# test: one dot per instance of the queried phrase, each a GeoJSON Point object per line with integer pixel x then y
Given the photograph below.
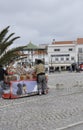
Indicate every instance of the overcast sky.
{"type": "Point", "coordinates": [41, 21]}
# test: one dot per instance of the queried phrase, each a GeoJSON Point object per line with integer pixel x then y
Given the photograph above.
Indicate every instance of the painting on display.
{"type": "Point", "coordinates": [20, 88]}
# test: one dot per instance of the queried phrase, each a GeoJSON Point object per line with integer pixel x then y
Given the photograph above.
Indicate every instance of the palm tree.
{"type": "Point", "coordinates": [5, 41]}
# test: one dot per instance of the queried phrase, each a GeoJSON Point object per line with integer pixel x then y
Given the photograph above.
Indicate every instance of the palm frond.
{"type": "Point", "coordinates": [3, 34]}
{"type": "Point", "coordinates": [6, 39]}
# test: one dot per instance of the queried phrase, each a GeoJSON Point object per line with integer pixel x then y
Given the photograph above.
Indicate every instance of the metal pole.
{"type": "Point", "coordinates": [51, 61]}
{"type": "Point", "coordinates": [78, 59]}
{"type": "Point", "coordinates": [32, 56]}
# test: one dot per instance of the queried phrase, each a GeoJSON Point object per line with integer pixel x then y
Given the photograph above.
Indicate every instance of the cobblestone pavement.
{"type": "Point", "coordinates": [76, 127]}
{"type": "Point", "coordinates": [62, 106]}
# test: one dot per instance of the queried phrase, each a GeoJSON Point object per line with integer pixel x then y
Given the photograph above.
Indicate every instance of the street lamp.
{"type": "Point", "coordinates": [32, 56]}
{"type": "Point", "coordinates": [78, 59]}
{"type": "Point", "coordinates": [51, 60]}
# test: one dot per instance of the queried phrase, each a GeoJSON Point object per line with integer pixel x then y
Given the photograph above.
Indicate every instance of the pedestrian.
{"type": "Point", "coordinates": [41, 78]}
{"type": "Point", "coordinates": [2, 77]}
{"type": "Point", "coordinates": [24, 67]}
{"type": "Point", "coordinates": [30, 69]}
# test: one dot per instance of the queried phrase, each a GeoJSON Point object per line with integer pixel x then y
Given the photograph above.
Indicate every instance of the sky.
{"type": "Point", "coordinates": [41, 21]}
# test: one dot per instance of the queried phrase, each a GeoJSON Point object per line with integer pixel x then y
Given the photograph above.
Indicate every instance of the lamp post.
{"type": "Point", "coordinates": [51, 60]}
{"type": "Point", "coordinates": [32, 56]}
{"type": "Point", "coordinates": [78, 59]}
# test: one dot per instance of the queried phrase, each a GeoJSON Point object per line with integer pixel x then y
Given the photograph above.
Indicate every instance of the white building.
{"type": "Point", "coordinates": [32, 54]}
{"type": "Point", "coordinates": [59, 54]}
{"type": "Point", "coordinates": [62, 54]}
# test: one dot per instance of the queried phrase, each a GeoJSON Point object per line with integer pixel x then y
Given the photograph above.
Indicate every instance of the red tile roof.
{"type": "Point", "coordinates": [80, 40]}
{"type": "Point", "coordinates": [40, 52]}
{"type": "Point", "coordinates": [63, 42]}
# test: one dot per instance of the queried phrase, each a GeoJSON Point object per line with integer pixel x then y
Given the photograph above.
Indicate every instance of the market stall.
{"type": "Point", "coordinates": [20, 83]}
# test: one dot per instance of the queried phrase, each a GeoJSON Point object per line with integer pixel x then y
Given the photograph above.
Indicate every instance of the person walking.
{"type": "Point", "coordinates": [41, 78]}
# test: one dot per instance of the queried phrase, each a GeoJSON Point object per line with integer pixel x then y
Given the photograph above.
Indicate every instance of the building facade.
{"type": "Point", "coordinates": [62, 54]}
{"type": "Point", "coordinates": [59, 54]}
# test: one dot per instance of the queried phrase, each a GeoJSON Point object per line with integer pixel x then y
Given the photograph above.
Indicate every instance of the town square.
{"type": "Point", "coordinates": [41, 65]}
{"type": "Point", "coordinates": [60, 108]}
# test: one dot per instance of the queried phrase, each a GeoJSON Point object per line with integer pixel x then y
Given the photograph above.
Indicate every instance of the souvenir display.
{"type": "Point", "coordinates": [21, 82]}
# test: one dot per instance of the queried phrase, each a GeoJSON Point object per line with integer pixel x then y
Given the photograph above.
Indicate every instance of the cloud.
{"type": "Point", "coordinates": [40, 21]}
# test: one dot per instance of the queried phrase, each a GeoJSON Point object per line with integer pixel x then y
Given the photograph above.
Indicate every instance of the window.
{"type": "Point", "coordinates": [72, 58]}
{"type": "Point", "coordinates": [70, 49]}
{"type": "Point", "coordinates": [56, 59]}
{"type": "Point", "coordinates": [80, 50]}
{"type": "Point", "coordinates": [67, 58]}
{"type": "Point", "coordinates": [56, 49]}
{"type": "Point", "coordinates": [62, 59]}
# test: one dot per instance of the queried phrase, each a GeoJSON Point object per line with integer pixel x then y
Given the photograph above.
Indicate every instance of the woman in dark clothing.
{"type": "Point", "coordinates": [2, 74]}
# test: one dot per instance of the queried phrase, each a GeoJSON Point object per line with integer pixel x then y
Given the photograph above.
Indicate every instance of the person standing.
{"type": "Point", "coordinates": [2, 74]}
{"type": "Point", "coordinates": [41, 78]}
